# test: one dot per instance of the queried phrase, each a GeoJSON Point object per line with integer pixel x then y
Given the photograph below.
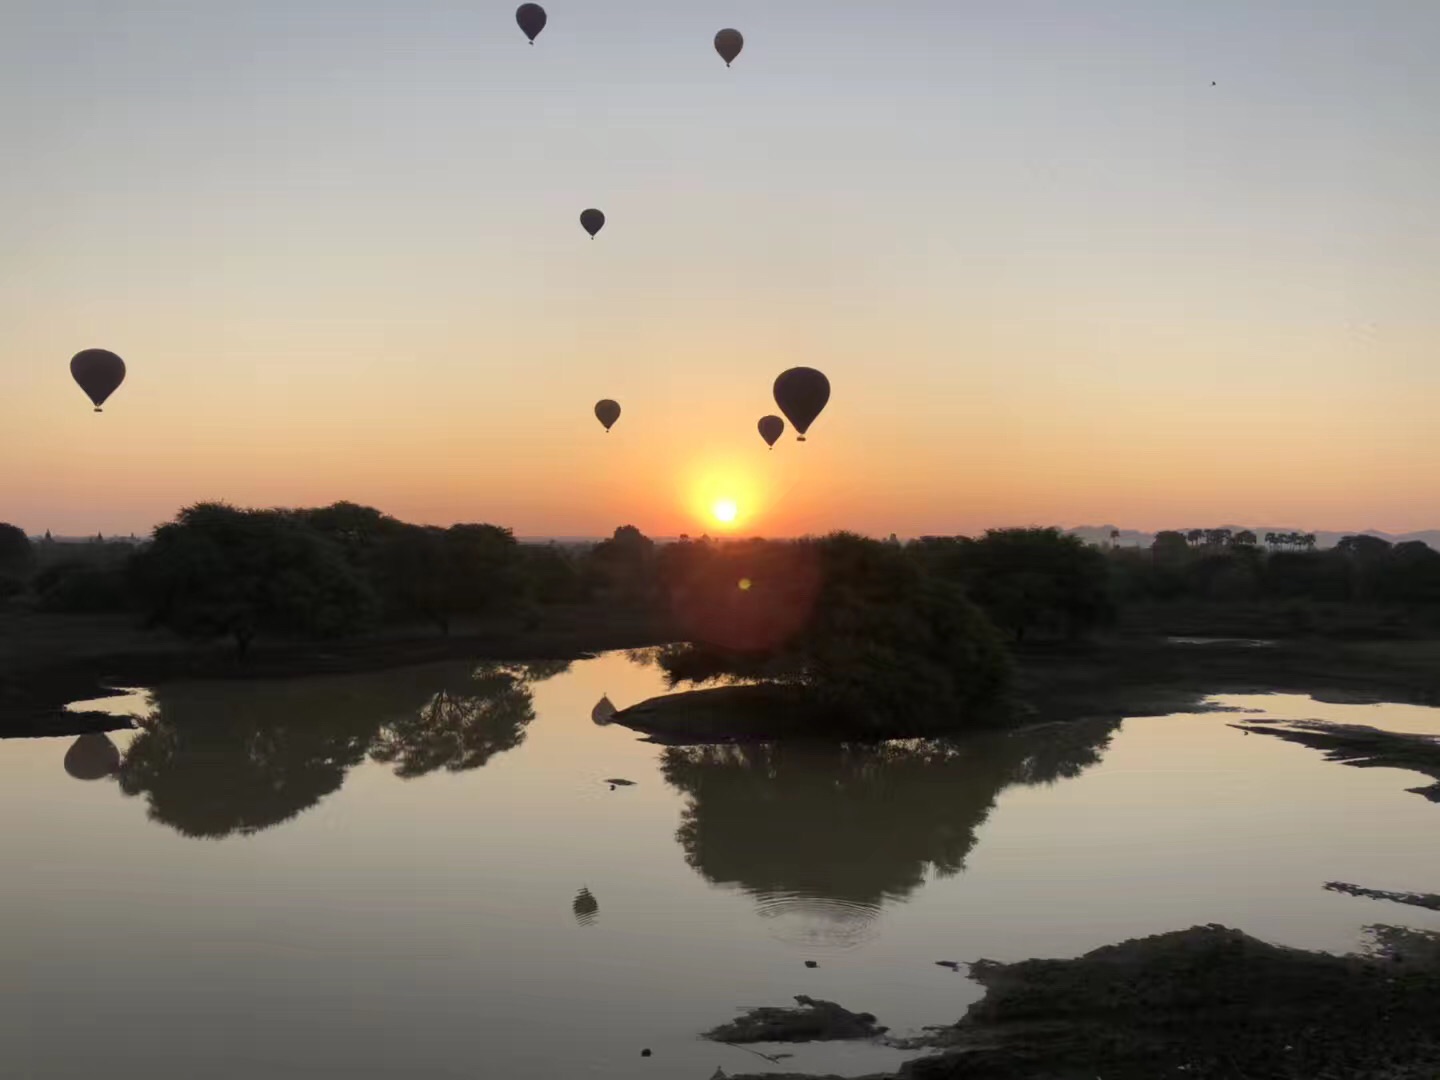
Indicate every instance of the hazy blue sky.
{"type": "Point", "coordinates": [1053, 273]}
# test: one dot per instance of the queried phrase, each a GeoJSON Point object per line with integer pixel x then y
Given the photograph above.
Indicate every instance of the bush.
{"type": "Point", "coordinates": [83, 588]}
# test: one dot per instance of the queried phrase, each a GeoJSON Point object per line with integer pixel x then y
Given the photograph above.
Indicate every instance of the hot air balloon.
{"type": "Point", "coordinates": [99, 374]}
{"type": "Point", "coordinates": [92, 757]}
{"type": "Point", "coordinates": [586, 908]}
{"type": "Point", "coordinates": [592, 221]}
{"type": "Point", "coordinates": [532, 19]}
{"type": "Point", "coordinates": [728, 44]}
{"type": "Point", "coordinates": [771, 428]}
{"type": "Point", "coordinates": [607, 412]}
{"type": "Point", "coordinates": [801, 394]}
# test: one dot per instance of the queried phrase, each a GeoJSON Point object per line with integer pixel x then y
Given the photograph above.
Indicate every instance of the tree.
{"type": "Point", "coordinates": [216, 571]}
{"type": "Point", "coordinates": [623, 565]}
{"type": "Point", "coordinates": [1245, 538]}
{"type": "Point", "coordinates": [440, 574]}
{"type": "Point", "coordinates": [1038, 579]}
{"type": "Point", "coordinates": [1170, 546]}
{"type": "Point", "coordinates": [868, 635]}
{"type": "Point", "coordinates": [1363, 547]}
{"type": "Point", "coordinates": [1196, 537]}
{"type": "Point", "coordinates": [16, 555]}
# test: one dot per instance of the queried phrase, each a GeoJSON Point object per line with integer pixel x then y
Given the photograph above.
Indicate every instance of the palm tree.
{"type": "Point", "coordinates": [1308, 541]}
{"type": "Point", "coordinates": [1195, 537]}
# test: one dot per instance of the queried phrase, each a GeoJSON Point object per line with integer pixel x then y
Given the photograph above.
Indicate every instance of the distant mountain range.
{"type": "Point", "coordinates": [1100, 534]}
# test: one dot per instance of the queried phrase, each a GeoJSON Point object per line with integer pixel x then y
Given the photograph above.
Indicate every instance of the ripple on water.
{"type": "Point", "coordinates": [818, 921]}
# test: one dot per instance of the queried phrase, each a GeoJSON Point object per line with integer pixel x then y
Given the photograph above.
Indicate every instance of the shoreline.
{"type": "Point", "coordinates": [51, 661]}
{"type": "Point", "coordinates": [105, 654]}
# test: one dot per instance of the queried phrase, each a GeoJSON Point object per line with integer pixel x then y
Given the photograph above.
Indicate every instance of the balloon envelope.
{"type": "Point", "coordinates": [771, 428]}
{"type": "Point", "coordinates": [728, 44]}
{"type": "Point", "coordinates": [592, 221]}
{"type": "Point", "coordinates": [607, 412]}
{"type": "Point", "coordinates": [92, 757]}
{"type": "Point", "coordinates": [586, 907]}
{"type": "Point", "coordinates": [99, 373]}
{"type": "Point", "coordinates": [531, 18]}
{"type": "Point", "coordinates": [802, 394]}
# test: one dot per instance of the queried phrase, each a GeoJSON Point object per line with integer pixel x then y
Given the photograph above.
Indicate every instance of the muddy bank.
{"type": "Point", "coordinates": [1111, 679]}
{"type": "Point", "coordinates": [812, 1020]}
{"type": "Point", "coordinates": [47, 661]}
{"type": "Point", "coordinates": [1429, 901]}
{"type": "Point", "coordinates": [724, 714]}
{"type": "Point", "coordinates": [1209, 1003]}
{"type": "Point", "coordinates": [1363, 747]}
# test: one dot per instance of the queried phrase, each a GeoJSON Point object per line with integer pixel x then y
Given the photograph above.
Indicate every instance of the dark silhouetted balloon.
{"type": "Point", "coordinates": [531, 18]}
{"type": "Point", "coordinates": [728, 44]}
{"type": "Point", "coordinates": [592, 221]}
{"type": "Point", "coordinates": [92, 757]}
{"type": "Point", "coordinates": [99, 374]}
{"type": "Point", "coordinates": [586, 908]}
{"type": "Point", "coordinates": [607, 412]}
{"type": "Point", "coordinates": [802, 393]}
{"type": "Point", "coordinates": [771, 428]}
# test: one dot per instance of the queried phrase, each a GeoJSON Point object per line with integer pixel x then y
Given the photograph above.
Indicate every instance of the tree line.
{"type": "Point", "coordinates": [896, 636]}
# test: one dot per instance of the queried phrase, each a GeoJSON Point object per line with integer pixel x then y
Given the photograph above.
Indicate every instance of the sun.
{"type": "Point", "coordinates": [725, 511]}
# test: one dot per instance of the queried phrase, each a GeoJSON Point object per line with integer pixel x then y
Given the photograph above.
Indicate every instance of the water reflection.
{"type": "Point", "coordinates": [603, 712]}
{"type": "Point", "coordinates": [823, 835]}
{"type": "Point", "coordinates": [221, 759]}
{"type": "Point", "coordinates": [458, 731]}
{"type": "Point", "coordinates": [92, 757]}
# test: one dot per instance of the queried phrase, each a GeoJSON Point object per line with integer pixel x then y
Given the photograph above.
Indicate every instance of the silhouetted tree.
{"type": "Point", "coordinates": [16, 555]}
{"type": "Point", "coordinates": [1245, 538]}
{"type": "Point", "coordinates": [624, 565]}
{"type": "Point", "coordinates": [884, 646]}
{"type": "Point", "coordinates": [1038, 579]}
{"type": "Point", "coordinates": [221, 572]}
{"type": "Point", "coordinates": [1170, 546]}
{"type": "Point", "coordinates": [439, 574]}
{"type": "Point", "coordinates": [1196, 537]}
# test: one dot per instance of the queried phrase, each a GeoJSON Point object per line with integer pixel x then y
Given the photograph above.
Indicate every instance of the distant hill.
{"type": "Point", "coordinates": [1100, 534]}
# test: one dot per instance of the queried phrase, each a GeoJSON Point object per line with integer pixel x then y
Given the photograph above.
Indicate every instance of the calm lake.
{"type": "Point", "coordinates": [427, 873]}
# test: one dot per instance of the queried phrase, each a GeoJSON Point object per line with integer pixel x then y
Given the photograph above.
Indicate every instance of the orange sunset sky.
{"type": "Point", "coordinates": [1053, 274]}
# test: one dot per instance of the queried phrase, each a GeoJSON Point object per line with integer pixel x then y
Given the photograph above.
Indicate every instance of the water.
{"type": "Point", "coordinates": [425, 873]}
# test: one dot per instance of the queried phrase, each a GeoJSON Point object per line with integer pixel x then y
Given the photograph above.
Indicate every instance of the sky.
{"type": "Point", "coordinates": [1053, 273]}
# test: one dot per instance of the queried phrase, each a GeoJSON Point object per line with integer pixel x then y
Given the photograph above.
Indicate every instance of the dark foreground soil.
{"type": "Point", "coordinates": [1209, 1003]}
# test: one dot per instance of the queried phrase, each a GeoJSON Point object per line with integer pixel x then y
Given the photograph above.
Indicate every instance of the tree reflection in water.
{"type": "Point", "coordinates": [223, 759]}
{"type": "Point", "coordinates": [823, 835]}
{"type": "Point", "coordinates": [459, 731]}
